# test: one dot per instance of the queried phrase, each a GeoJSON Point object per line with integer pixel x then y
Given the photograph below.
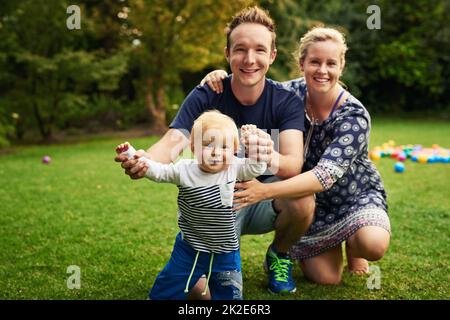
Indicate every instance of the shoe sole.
{"type": "Point", "coordinates": [282, 292]}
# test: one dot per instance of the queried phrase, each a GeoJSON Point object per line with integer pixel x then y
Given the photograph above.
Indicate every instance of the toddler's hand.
{"type": "Point", "coordinates": [132, 161]}
{"type": "Point", "coordinates": [126, 149]}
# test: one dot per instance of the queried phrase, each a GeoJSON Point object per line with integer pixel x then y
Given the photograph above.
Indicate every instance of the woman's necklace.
{"type": "Point", "coordinates": [311, 113]}
{"type": "Point", "coordinates": [315, 120]}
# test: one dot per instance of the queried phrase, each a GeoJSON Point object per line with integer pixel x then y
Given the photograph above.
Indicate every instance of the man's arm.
{"type": "Point", "coordinates": [169, 147]}
{"type": "Point", "coordinates": [166, 150]}
{"type": "Point", "coordinates": [288, 162]}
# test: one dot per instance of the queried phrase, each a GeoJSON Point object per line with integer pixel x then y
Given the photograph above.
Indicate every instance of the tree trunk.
{"type": "Point", "coordinates": [45, 130]}
{"type": "Point", "coordinates": [156, 108]}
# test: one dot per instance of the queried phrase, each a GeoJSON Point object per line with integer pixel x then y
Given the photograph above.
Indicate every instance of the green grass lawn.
{"type": "Point", "coordinates": [82, 210]}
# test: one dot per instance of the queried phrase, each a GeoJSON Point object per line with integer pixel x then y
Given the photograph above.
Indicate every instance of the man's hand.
{"type": "Point", "coordinates": [133, 167]}
{"type": "Point", "coordinates": [258, 144]}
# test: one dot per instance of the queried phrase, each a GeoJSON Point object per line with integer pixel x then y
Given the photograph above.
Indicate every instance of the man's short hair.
{"type": "Point", "coordinates": [252, 15]}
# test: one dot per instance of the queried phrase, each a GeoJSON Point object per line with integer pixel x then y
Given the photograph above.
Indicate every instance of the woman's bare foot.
{"type": "Point", "coordinates": [359, 266]}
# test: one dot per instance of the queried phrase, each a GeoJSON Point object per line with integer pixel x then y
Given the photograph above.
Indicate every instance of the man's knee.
{"type": "Point", "coordinates": [305, 205]}
{"type": "Point", "coordinates": [298, 209]}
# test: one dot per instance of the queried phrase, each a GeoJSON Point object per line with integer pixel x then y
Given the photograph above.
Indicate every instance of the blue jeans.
{"type": "Point", "coordinates": [225, 280]}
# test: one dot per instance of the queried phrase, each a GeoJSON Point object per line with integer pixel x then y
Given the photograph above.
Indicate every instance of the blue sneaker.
{"type": "Point", "coordinates": [280, 273]}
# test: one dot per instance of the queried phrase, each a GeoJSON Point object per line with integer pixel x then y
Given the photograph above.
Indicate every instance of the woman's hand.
{"type": "Point", "coordinates": [253, 192]}
{"type": "Point", "coordinates": [214, 80]}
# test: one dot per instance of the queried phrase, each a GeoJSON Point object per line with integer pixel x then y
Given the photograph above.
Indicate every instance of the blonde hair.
{"type": "Point", "coordinates": [252, 15]}
{"type": "Point", "coordinates": [215, 119]}
{"type": "Point", "coordinates": [318, 34]}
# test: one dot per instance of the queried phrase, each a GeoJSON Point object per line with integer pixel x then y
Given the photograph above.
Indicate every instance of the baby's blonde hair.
{"type": "Point", "coordinates": [214, 119]}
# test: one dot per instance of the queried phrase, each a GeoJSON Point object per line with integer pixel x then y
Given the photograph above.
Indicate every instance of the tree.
{"type": "Point", "coordinates": [403, 66]}
{"type": "Point", "coordinates": [50, 71]}
{"type": "Point", "coordinates": [175, 36]}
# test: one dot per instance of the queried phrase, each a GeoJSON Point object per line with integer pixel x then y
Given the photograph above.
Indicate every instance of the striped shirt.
{"type": "Point", "coordinates": [205, 200]}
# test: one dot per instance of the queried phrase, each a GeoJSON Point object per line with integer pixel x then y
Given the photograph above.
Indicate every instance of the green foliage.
{"type": "Point", "coordinates": [179, 35]}
{"type": "Point", "coordinates": [6, 129]}
{"type": "Point", "coordinates": [171, 37]}
{"type": "Point", "coordinates": [49, 79]}
{"type": "Point", "coordinates": [132, 54]}
{"type": "Point", "coordinates": [401, 67]}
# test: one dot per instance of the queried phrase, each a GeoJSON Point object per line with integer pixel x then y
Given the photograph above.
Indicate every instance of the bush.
{"type": "Point", "coordinates": [6, 130]}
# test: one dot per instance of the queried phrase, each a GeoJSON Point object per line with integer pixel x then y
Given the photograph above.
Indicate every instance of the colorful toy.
{"type": "Point", "coordinates": [399, 167]}
{"type": "Point", "coordinates": [422, 158]}
{"type": "Point", "coordinates": [375, 155]}
{"type": "Point", "coordinates": [417, 153]}
{"type": "Point", "coordinates": [46, 160]}
{"type": "Point", "coordinates": [401, 156]}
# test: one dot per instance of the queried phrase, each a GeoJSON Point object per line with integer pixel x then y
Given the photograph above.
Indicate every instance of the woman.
{"type": "Point", "coordinates": [347, 189]}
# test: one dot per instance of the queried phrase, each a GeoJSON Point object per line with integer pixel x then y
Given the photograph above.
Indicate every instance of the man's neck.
{"type": "Point", "coordinates": [247, 96]}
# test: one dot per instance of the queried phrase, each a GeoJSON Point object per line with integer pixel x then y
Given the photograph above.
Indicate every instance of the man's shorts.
{"type": "Point", "coordinates": [225, 282]}
{"type": "Point", "coordinates": [258, 218]}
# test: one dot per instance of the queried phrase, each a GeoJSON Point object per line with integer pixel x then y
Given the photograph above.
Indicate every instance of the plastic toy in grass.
{"type": "Point", "coordinates": [417, 153]}
{"type": "Point", "coordinates": [399, 167]}
{"type": "Point", "coordinates": [46, 160]}
{"type": "Point", "coordinates": [401, 156]}
{"type": "Point", "coordinates": [422, 158]}
{"type": "Point", "coordinates": [375, 155]}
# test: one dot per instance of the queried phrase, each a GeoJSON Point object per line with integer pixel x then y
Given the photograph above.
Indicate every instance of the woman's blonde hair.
{"type": "Point", "coordinates": [214, 119]}
{"type": "Point", "coordinates": [317, 34]}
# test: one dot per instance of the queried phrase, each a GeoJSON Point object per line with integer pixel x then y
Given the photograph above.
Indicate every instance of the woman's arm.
{"type": "Point", "coordinates": [214, 80]}
{"type": "Point", "coordinates": [296, 187]}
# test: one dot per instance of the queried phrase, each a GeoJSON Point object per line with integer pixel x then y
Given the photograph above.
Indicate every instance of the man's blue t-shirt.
{"type": "Point", "coordinates": [278, 108]}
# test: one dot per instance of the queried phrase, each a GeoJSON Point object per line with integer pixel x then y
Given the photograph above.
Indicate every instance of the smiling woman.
{"type": "Point", "coordinates": [321, 56]}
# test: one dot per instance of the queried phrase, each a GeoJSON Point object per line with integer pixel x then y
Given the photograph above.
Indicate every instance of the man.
{"type": "Point", "coordinates": [250, 98]}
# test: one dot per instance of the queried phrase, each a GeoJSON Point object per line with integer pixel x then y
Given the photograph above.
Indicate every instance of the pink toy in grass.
{"type": "Point", "coordinates": [401, 156]}
{"type": "Point", "coordinates": [46, 160]}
